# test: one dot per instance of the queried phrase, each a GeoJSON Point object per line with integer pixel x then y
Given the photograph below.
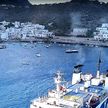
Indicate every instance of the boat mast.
{"type": "Point", "coordinates": [58, 80]}
{"type": "Point", "coordinates": [98, 66]}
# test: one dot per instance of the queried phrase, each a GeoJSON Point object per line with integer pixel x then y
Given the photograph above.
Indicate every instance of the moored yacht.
{"type": "Point", "coordinates": [71, 51]}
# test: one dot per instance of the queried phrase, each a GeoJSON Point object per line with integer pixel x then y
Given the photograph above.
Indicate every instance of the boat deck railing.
{"type": "Point", "coordinates": [103, 104]}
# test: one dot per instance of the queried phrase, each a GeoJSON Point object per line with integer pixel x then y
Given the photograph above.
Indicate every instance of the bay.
{"type": "Point", "coordinates": [25, 76]}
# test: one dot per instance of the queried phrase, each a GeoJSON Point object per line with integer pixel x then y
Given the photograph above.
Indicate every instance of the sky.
{"type": "Point", "coordinates": [54, 1]}
{"type": "Point", "coordinates": [47, 1]}
{"type": "Point", "coordinates": [105, 1]}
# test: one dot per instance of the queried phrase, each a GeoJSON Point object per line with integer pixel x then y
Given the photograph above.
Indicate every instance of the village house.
{"type": "Point", "coordinates": [101, 32]}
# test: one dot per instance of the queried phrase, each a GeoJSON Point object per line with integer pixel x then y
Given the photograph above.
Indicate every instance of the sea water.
{"type": "Point", "coordinates": [25, 76]}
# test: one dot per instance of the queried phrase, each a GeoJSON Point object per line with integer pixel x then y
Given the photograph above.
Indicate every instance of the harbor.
{"type": "Point", "coordinates": [53, 54]}
{"type": "Point", "coordinates": [32, 32]}
{"type": "Point", "coordinates": [25, 76]}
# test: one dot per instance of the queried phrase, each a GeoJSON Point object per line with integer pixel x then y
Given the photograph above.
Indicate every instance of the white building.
{"type": "Point", "coordinates": [4, 23]}
{"type": "Point", "coordinates": [4, 35]}
{"type": "Point", "coordinates": [17, 24]}
{"type": "Point", "coordinates": [23, 30]}
{"type": "Point", "coordinates": [105, 25]}
{"type": "Point", "coordinates": [101, 32]}
{"type": "Point", "coordinates": [79, 31]}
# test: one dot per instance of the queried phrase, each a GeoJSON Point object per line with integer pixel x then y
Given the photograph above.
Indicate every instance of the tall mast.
{"type": "Point", "coordinates": [98, 66]}
{"type": "Point", "coordinates": [58, 80]}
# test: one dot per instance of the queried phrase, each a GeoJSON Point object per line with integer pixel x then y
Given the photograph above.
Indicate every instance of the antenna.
{"type": "Point", "coordinates": [98, 66]}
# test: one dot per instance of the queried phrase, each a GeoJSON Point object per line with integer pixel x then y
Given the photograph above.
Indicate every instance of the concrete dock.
{"type": "Point", "coordinates": [67, 40]}
{"type": "Point", "coordinates": [80, 40]}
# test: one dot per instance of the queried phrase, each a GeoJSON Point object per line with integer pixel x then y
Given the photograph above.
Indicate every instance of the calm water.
{"type": "Point", "coordinates": [24, 76]}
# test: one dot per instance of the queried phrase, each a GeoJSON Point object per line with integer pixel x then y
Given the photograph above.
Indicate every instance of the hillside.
{"type": "Point", "coordinates": [15, 2]}
{"type": "Point", "coordinates": [60, 18]}
{"type": "Point", "coordinates": [26, 2]}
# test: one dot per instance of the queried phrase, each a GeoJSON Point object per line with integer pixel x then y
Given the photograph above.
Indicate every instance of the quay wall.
{"type": "Point", "coordinates": [80, 40]}
{"type": "Point", "coordinates": [66, 40]}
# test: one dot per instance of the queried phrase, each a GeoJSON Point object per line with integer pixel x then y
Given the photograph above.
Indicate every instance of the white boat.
{"type": "Point", "coordinates": [2, 46]}
{"type": "Point", "coordinates": [38, 55]}
{"type": "Point", "coordinates": [71, 51]}
{"type": "Point", "coordinates": [25, 63]}
{"type": "Point", "coordinates": [90, 92]}
{"type": "Point", "coordinates": [47, 46]}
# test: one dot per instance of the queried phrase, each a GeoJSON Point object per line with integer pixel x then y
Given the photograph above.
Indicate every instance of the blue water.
{"type": "Point", "coordinates": [20, 82]}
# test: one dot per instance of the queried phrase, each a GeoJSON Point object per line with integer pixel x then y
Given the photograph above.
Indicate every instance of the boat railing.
{"type": "Point", "coordinates": [103, 104]}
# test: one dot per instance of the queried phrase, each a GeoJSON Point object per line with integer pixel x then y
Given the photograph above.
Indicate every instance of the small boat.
{"type": "Point", "coordinates": [2, 46]}
{"type": "Point", "coordinates": [47, 46]}
{"type": "Point", "coordinates": [71, 51]}
{"type": "Point", "coordinates": [38, 55]}
{"type": "Point", "coordinates": [25, 63]}
{"type": "Point", "coordinates": [64, 45]}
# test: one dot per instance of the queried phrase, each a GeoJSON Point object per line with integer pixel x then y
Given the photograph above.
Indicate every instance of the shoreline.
{"type": "Point", "coordinates": [81, 41]}
{"type": "Point", "coordinates": [65, 40]}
